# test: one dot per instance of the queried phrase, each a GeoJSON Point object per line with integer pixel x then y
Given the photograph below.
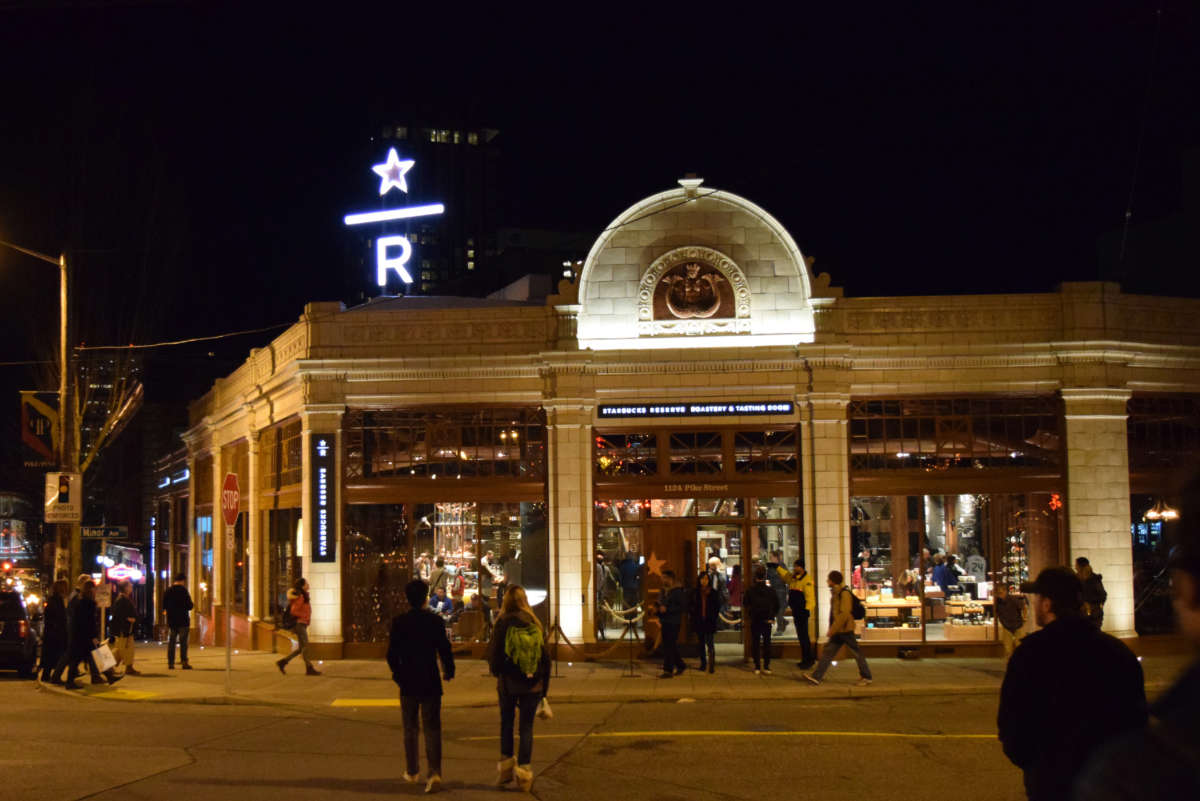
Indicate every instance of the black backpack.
{"type": "Point", "coordinates": [857, 610]}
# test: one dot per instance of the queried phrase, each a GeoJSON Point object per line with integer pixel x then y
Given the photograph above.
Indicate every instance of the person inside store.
{"type": "Point", "coordinates": [945, 576]}
{"type": "Point", "coordinates": [858, 579]}
{"type": "Point", "coordinates": [440, 603]}
{"type": "Point", "coordinates": [1067, 690]}
{"type": "Point", "coordinates": [630, 572]}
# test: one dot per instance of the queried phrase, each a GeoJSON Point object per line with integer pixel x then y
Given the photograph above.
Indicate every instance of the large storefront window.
{"type": "Point", "coordinates": [954, 433]}
{"type": "Point", "coordinates": [1164, 447]}
{"type": "Point", "coordinates": [204, 537]}
{"type": "Point", "coordinates": [478, 547]}
{"type": "Point", "coordinates": [927, 566]}
{"type": "Point", "coordinates": [283, 563]}
{"type": "Point", "coordinates": [454, 497]}
{"type": "Point", "coordinates": [476, 443]}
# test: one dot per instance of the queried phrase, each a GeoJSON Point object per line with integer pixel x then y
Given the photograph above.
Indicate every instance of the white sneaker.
{"type": "Point", "coordinates": [412, 778]}
{"type": "Point", "coordinates": [767, 671]}
{"type": "Point", "coordinates": [434, 784]}
{"type": "Point", "coordinates": [863, 682]}
{"type": "Point", "coordinates": [757, 671]}
{"type": "Point", "coordinates": [811, 679]}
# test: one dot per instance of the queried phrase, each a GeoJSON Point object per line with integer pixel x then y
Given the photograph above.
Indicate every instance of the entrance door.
{"type": "Point", "coordinates": [670, 545]}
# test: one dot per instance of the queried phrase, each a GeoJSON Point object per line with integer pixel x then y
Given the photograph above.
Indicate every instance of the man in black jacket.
{"type": "Point", "coordinates": [1068, 688]}
{"type": "Point", "coordinates": [417, 640]}
{"type": "Point", "coordinates": [177, 604]}
{"type": "Point", "coordinates": [760, 605]}
{"type": "Point", "coordinates": [670, 618]}
{"type": "Point", "coordinates": [1162, 762]}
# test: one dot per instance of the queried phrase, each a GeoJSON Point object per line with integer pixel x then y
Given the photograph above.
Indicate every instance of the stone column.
{"type": "Point", "coordinates": [324, 578]}
{"type": "Point", "coordinates": [830, 496]}
{"type": "Point", "coordinates": [571, 537]}
{"type": "Point", "coordinates": [189, 534]}
{"type": "Point", "coordinates": [254, 547]}
{"type": "Point", "coordinates": [1098, 495]}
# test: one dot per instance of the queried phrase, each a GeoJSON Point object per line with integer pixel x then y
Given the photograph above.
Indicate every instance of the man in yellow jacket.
{"type": "Point", "coordinates": [841, 632]}
{"type": "Point", "coordinates": [802, 600]}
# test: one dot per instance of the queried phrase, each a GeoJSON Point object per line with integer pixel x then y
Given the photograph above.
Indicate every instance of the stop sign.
{"type": "Point", "coordinates": [231, 499]}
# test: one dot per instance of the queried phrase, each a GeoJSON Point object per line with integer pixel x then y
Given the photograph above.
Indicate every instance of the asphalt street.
{"type": "Point", "coordinates": [70, 747]}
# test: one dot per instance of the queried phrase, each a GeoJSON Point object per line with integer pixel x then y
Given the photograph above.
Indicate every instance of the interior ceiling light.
{"type": "Point", "coordinates": [1161, 511]}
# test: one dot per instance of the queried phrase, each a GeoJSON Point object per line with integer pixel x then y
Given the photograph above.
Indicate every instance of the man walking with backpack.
{"type": "Point", "coordinates": [844, 609]}
{"type": "Point", "coordinates": [418, 640]}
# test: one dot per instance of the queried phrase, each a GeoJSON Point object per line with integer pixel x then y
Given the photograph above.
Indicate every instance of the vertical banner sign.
{"type": "Point", "coordinates": [324, 494]}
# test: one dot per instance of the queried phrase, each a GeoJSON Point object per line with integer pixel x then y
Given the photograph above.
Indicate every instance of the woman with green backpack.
{"type": "Point", "coordinates": [519, 660]}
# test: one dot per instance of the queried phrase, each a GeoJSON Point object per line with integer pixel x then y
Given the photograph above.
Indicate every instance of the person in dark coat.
{"type": "Point", "coordinates": [84, 635]}
{"type": "Point", "coordinates": [177, 605]}
{"type": "Point", "coordinates": [1068, 689]}
{"type": "Point", "coordinates": [520, 661]}
{"type": "Point", "coordinates": [54, 630]}
{"type": "Point", "coordinates": [72, 601]}
{"type": "Point", "coordinates": [671, 603]}
{"type": "Point", "coordinates": [1162, 761]}
{"type": "Point", "coordinates": [417, 641]}
{"type": "Point", "coordinates": [760, 605]}
{"type": "Point", "coordinates": [706, 607]}
{"type": "Point", "coordinates": [1094, 594]}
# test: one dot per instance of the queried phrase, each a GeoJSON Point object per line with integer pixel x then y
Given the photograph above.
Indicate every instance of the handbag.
{"type": "Point", "coordinates": [104, 658]}
{"type": "Point", "coordinates": [544, 711]}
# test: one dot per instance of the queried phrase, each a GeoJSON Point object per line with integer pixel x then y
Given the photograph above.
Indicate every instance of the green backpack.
{"type": "Point", "coordinates": [523, 646]}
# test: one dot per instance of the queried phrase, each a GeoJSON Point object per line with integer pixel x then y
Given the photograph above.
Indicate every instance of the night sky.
{"type": "Point", "coordinates": [196, 164]}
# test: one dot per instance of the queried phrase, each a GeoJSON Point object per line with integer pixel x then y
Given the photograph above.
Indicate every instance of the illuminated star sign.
{"type": "Point", "coordinates": [392, 172]}
{"type": "Point", "coordinates": [654, 565]}
{"type": "Point", "coordinates": [393, 252]}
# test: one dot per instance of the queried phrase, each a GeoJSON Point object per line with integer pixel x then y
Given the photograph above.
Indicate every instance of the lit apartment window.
{"type": "Point", "coordinates": [426, 275]}
{"type": "Point", "coordinates": [425, 265]}
{"type": "Point", "coordinates": [470, 254]}
{"type": "Point", "coordinates": [470, 265]}
{"type": "Point", "coordinates": [432, 135]}
{"type": "Point", "coordinates": [412, 238]}
{"type": "Point", "coordinates": [425, 286]}
{"type": "Point", "coordinates": [470, 242]}
{"type": "Point", "coordinates": [401, 132]}
{"type": "Point", "coordinates": [472, 138]}
{"type": "Point", "coordinates": [457, 138]}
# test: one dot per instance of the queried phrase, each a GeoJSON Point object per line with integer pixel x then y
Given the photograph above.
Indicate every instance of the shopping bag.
{"type": "Point", "coordinates": [104, 658]}
{"type": "Point", "coordinates": [544, 711]}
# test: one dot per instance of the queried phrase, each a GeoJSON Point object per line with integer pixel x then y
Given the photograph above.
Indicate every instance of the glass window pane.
{"type": "Point", "coordinates": [696, 453]}
{"type": "Point", "coordinates": [626, 455]}
{"type": "Point", "coordinates": [618, 510]}
{"type": "Point", "coordinates": [376, 565]}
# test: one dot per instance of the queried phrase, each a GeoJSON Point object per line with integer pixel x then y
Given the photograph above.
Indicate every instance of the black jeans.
{"type": "Point", "coordinates": [73, 660]}
{"type": "Point", "coordinates": [528, 704]}
{"type": "Point", "coordinates": [179, 633]}
{"type": "Point", "coordinates": [708, 653]}
{"type": "Point", "coordinates": [800, 620]}
{"type": "Point", "coordinates": [670, 648]}
{"type": "Point", "coordinates": [422, 711]}
{"type": "Point", "coordinates": [760, 642]}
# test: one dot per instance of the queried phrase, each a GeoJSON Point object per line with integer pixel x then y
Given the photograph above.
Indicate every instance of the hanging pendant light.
{"type": "Point", "coordinates": [1161, 511]}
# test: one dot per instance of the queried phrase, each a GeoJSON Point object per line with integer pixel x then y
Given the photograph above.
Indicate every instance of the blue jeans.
{"type": "Point", "coordinates": [528, 704]}
{"type": "Point", "coordinates": [835, 643]}
{"type": "Point", "coordinates": [179, 633]}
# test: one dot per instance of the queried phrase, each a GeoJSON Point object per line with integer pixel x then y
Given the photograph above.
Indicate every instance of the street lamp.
{"type": "Point", "coordinates": [67, 457]}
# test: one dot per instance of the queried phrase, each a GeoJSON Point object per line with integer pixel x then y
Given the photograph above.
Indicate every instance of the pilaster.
{"type": "Point", "coordinates": [324, 578]}
{"type": "Point", "coordinates": [571, 538]}
{"type": "Point", "coordinates": [254, 544]}
{"type": "Point", "coordinates": [1098, 494]}
{"type": "Point", "coordinates": [828, 490]}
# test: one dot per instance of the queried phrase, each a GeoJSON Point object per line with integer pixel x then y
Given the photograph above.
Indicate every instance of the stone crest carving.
{"type": "Point", "coordinates": [693, 291]}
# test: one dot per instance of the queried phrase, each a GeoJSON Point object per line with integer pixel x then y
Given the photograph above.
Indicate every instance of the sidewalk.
{"type": "Point", "coordinates": [360, 683]}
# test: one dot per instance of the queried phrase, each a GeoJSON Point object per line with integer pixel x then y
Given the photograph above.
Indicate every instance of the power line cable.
{"type": "Point", "coordinates": [1137, 153]}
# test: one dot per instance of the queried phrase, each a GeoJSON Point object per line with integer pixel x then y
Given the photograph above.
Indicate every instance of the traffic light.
{"type": "Point", "coordinates": [64, 489]}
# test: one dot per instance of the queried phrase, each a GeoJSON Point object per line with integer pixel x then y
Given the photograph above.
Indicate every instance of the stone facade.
{"type": "Point", "coordinates": [1089, 344]}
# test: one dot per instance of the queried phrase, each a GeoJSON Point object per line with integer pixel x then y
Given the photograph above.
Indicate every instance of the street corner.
{"type": "Point", "coordinates": [105, 692]}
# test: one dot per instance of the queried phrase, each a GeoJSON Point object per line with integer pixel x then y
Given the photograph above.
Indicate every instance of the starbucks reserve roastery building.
{"type": "Point", "coordinates": [696, 391]}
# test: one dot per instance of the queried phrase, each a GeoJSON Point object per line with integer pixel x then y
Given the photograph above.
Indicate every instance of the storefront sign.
{"type": "Point", "coordinates": [125, 572]}
{"type": "Point", "coordinates": [393, 252]}
{"type": "Point", "coordinates": [324, 495]}
{"type": "Point", "coordinates": [736, 409]}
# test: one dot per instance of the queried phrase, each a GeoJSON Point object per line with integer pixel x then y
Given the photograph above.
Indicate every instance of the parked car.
{"type": "Point", "coordinates": [18, 640]}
